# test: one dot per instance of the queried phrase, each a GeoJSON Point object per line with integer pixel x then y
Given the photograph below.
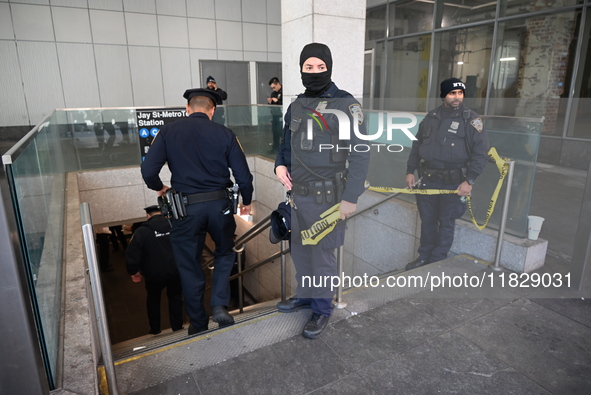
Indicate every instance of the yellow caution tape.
{"type": "Point", "coordinates": [414, 191]}
{"type": "Point", "coordinates": [330, 217]}
{"type": "Point", "coordinates": [321, 228]}
{"type": "Point", "coordinates": [503, 167]}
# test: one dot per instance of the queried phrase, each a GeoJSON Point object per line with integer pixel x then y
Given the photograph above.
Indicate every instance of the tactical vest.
{"type": "Point", "coordinates": [312, 130]}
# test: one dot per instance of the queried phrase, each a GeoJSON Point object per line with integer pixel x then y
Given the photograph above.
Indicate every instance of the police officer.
{"type": "Point", "coordinates": [450, 153]}
{"type": "Point", "coordinates": [212, 85]}
{"type": "Point", "coordinates": [276, 98]}
{"type": "Point", "coordinates": [150, 253]}
{"type": "Point", "coordinates": [310, 165]}
{"type": "Point", "coordinates": [200, 154]}
{"type": "Point", "coordinates": [219, 115]}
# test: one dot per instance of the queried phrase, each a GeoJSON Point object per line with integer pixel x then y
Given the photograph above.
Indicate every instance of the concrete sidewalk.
{"type": "Point", "coordinates": [481, 338]}
{"type": "Point", "coordinates": [476, 339]}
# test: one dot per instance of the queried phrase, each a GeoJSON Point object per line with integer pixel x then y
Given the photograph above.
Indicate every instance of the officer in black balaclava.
{"type": "Point", "coordinates": [316, 79]}
{"type": "Point", "coordinates": [313, 169]}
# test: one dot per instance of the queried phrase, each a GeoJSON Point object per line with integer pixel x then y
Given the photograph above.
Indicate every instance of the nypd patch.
{"type": "Point", "coordinates": [477, 124]}
{"type": "Point", "coordinates": [356, 112]}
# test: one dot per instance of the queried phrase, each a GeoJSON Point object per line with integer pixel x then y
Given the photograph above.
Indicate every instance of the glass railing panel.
{"type": "Point", "coordinates": [515, 138]}
{"type": "Point", "coordinates": [38, 185]}
{"type": "Point", "coordinates": [254, 126]}
{"type": "Point", "coordinates": [98, 138]}
{"type": "Point", "coordinates": [104, 138]}
{"type": "Point", "coordinates": [387, 166]}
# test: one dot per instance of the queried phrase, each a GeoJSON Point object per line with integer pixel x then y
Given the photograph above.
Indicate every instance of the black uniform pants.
{"type": "Point", "coordinates": [277, 129]}
{"type": "Point", "coordinates": [438, 219]}
{"type": "Point", "coordinates": [102, 240]}
{"type": "Point", "coordinates": [188, 238]}
{"type": "Point", "coordinates": [117, 236]}
{"type": "Point", "coordinates": [314, 264]}
{"type": "Point", "coordinates": [174, 293]}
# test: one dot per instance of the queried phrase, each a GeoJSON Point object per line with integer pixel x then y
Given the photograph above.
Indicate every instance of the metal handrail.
{"type": "Point", "coordinates": [260, 263]}
{"type": "Point", "coordinates": [252, 232]}
{"type": "Point", "coordinates": [240, 245]}
{"type": "Point", "coordinates": [97, 295]}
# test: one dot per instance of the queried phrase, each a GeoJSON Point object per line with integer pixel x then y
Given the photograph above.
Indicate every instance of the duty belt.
{"type": "Point", "coordinates": [324, 191]}
{"type": "Point", "coordinates": [205, 197]}
{"type": "Point", "coordinates": [448, 176]}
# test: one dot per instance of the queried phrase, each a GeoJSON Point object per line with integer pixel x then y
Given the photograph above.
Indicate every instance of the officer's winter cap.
{"type": "Point", "coordinates": [316, 50]}
{"type": "Point", "coordinates": [280, 223]}
{"type": "Point", "coordinates": [213, 95]}
{"type": "Point", "coordinates": [210, 79]}
{"type": "Point", "coordinates": [451, 84]}
{"type": "Point", "coordinates": [152, 209]}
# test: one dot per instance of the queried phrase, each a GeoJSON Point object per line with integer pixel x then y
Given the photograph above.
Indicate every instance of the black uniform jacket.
{"type": "Point", "coordinates": [459, 140]}
{"type": "Point", "coordinates": [150, 251]}
{"type": "Point", "coordinates": [320, 160]}
{"type": "Point", "coordinates": [279, 96]}
{"type": "Point", "coordinates": [222, 93]}
{"type": "Point", "coordinates": [200, 154]}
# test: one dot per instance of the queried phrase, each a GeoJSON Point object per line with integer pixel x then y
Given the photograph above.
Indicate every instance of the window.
{"type": "Point", "coordinates": [581, 125]}
{"type": "Point", "coordinates": [408, 74]}
{"type": "Point", "coordinates": [516, 7]}
{"type": "Point", "coordinates": [465, 54]}
{"type": "Point", "coordinates": [532, 68]}
{"type": "Point", "coordinates": [460, 12]}
{"type": "Point", "coordinates": [375, 23]}
{"type": "Point", "coordinates": [410, 16]}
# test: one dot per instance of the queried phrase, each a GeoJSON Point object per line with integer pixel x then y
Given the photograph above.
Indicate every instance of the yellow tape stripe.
{"type": "Point", "coordinates": [321, 228]}
{"type": "Point", "coordinates": [330, 217]}
{"type": "Point", "coordinates": [414, 191]}
{"type": "Point", "coordinates": [503, 167]}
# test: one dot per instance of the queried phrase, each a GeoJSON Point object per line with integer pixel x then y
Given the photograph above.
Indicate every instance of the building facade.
{"type": "Point", "coordinates": [518, 59]}
{"type": "Point", "coordinates": [126, 53]}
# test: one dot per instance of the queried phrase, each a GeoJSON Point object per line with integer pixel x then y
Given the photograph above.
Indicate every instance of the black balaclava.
{"type": "Point", "coordinates": [316, 83]}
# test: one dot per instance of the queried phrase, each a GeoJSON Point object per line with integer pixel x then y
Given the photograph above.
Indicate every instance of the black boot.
{"type": "Point", "coordinates": [416, 263]}
{"type": "Point", "coordinates": [315, 326]}
{"type": "Point", "coordinates": [193, 331]}
{"type": "Point", "coordinates": [221, 316]}
{"type": "Point", "coordinates": [293, 304]}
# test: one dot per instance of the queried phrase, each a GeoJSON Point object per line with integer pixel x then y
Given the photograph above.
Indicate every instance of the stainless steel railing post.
{"type": "Point", "coordinates": [339, 304]}
{"type": "Point", "coordinates": [240, 285]}
{"type": "Point", "coordinates": [497, 266]}
{"type": "Point", "coordinates": [283, 259]}
{"type": "Point", "coordinates": [97, 295]}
